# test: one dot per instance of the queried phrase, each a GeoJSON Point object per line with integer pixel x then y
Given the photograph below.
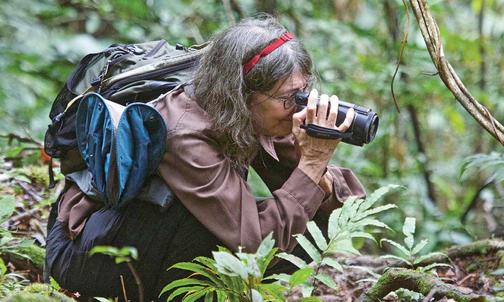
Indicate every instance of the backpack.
{"type": "Point", "coordinates": [122, 74]}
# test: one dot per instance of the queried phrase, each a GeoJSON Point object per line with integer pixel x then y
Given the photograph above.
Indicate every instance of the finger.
{"type": "Point", "coordinates": [333, 112]}
{"type": "Point", "coordinates": [322, 110]}
{"type": "Point", "coordinates": [298, 118]}
{"type": "Point", "coordinates": [348, 121]}
{"type": "Point", "coordinates": [311, 106]}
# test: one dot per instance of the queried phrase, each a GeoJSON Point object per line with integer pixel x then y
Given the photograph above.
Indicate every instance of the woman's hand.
{"type": "Point", "coordinates": [316, 152]}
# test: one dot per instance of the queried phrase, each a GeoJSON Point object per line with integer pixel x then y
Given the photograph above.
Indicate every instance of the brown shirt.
{"type": "Point", "coordinates": [214, 190]}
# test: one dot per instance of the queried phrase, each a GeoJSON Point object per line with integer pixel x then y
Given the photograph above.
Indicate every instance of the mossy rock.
{"type": "Point", "coordinates": [36, 254]}
{"type": "Point", "coordinates": [38, 292]}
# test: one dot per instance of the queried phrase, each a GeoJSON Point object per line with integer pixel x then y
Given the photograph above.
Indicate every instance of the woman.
{"type": "Point", "coordinates": [238, 112]}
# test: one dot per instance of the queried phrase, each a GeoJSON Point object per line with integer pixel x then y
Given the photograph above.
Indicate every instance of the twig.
{"type": "Point", "coordinates": [24, 215]}
{"type": "Point", "coordinates": [401, 52]}
{"type": "Point", "coordinates": [123, 288]}
{"type": "Point", "coordinates": [138, 281]}
{"type": "Point", "coordinates": [29, 191]}
{"type": "Point", "coordinates": [432, 38]}
{"type": "Point", "coordinates": [21, 139]}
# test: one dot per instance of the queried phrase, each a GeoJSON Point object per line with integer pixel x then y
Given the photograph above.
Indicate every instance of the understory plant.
{"type": "Point", "coordinates": [409, 252]}
{"type": "Point", "coordinates": [240, 276]}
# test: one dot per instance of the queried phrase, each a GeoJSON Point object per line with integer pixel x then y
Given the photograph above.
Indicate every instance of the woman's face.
{"type": "Point", "coordinates": [269, 115]}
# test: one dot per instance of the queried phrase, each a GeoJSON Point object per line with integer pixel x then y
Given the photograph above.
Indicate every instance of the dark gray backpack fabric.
{"type": "Point", "coordinates": [122, 73]}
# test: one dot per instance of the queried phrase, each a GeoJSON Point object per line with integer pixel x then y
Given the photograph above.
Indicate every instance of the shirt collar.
{"type": "Point", "coordinates": [268, 146]}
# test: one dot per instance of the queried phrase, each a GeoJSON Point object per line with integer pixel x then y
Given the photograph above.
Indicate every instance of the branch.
{"type": "Point", "coordinates": [425, 284]}
{"type": "Point", "coordinates": [432, 38]}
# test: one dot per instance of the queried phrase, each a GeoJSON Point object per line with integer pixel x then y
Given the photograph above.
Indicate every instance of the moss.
{"type": "Point", "coordinates": [36, 254]}
{"type": "Point", "coordinates": [38, 292]}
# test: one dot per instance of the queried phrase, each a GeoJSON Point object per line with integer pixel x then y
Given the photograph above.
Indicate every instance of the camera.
{"type": "Point", "coordinates": [362, 130]}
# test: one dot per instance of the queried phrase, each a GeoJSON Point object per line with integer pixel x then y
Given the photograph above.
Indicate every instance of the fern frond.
{"type": "Point", "coordinates": [309, 248]}
{"type": "Point", "coordinates": [317, 235]}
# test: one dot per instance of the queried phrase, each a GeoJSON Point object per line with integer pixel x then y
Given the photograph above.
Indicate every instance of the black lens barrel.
{"type": "Point", "coordinates": [364, 125]}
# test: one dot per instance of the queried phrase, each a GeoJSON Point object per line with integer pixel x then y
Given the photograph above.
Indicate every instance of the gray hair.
{"type": "Point", "coordinates": [223, 90]}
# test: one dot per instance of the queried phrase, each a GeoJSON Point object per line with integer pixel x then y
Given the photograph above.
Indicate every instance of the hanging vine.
{"type": "Point", "coordinates": [432, 38]}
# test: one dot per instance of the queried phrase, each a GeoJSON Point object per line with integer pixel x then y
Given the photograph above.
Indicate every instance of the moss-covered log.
{"type": "Point", "coordinates": [397, 278]}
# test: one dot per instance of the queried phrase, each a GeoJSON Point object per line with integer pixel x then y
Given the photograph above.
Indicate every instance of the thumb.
{"type": "Point", "coordinates": [298, 118]}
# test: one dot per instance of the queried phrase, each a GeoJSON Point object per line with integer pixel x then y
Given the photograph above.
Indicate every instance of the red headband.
{"type": "Point", "coordinates": [267, 50]}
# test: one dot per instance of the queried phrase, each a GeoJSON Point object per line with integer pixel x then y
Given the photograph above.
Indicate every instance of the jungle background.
{"type": "Point", "coordinates": [452, 168]}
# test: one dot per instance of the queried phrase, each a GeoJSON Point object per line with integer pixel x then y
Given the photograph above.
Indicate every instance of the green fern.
{"type": "Point", "coordinates": [345, 223]}
{"type": "Point", "coordinates": [409, 251]}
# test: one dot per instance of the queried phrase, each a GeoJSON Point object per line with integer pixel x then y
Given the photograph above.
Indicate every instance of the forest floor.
{"type": "Point", "coordinates": [471, 273]}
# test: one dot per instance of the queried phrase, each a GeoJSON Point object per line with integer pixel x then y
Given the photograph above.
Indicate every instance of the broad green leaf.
{"type": "Point", "coordinates": [272, 291]}
{"type": "Point", "coordinates": [253, 267]}
{"type": "Point", "coordinates": [198, 269]}
{"type": "Point", "coordinates": [266, 246]}
{"type": "Point", "coordinates": [327, 280]}
{"type": "Point", "coordinates": [309, 248]}
{"type": "Point", "coordinates": [221, 296]}
{"type": "Point", "coordinates": [343, 246]}
{"type": "Point", "coordinates": [208, 262]}
{"type": "Point", "coordinates": [182, 290]}
{"type": "Point", "coordinates": [54, 284]}
{"type": "Point", "coordinates": [265, 261]}
{"type": "Point", "coordinates": [256, 296]}
{"type": "Point", "coordinates": [374, 211]}
{"type": "Point", "coordinates": [300, 276]}
{"type": "Point", "coordinates": [209, 296]}
{"type": "Point", "coordinates": [3, 267]}
{"type": "Point", "coordinates": [333, 226]}
{"type": "Point", "coordinates": [409, 241]}
{"type": "Point", "coordinates": [369, 221]}
{"type": "Point", "coordinates": [105, 250]}
{"type": "Point", "coordinates": [332, 263]}
{"type": "Point", "coordinates": [182, 282]}
{"type": "Point", "coordinates": [317, 235]}
{"type": "Point", "coordinates": [346, 210]}
{"type": "Point", "coordinates": [191, 297]}
{"type": "Point", "coordinates": [7, 207]}
{"type": "Point", "coordinates": [362, 235]}
{"type": "Point", "coordinates": [419, 246]}
{"type": "Point", "coordinates": [401, 248]}
{"type": "Point", "coordinates": [229, 265]}
{"type": "Point", "coordinates": [292, 259]}
{"type": "Point", "coordinates": [307, 291]}
{"type": "Point", "coordinates": [188, 266]}
{"type": "Point", "coordinates": [280, 277]}
{"type": "Point", "coordinates": [378, 194]}
{"type": "Point", "coordinates": [408, 228]}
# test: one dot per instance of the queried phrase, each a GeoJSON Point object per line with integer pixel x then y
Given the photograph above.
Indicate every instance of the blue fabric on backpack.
{"type": "Point", "coordinates": [121, 146]}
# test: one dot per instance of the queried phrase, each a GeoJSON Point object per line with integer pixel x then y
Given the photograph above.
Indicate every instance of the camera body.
{"type": "Point", "coordinates": [362, 130]}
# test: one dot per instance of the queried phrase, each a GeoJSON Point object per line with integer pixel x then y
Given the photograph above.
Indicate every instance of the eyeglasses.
{"type": "Point", "coordinates": [288, 101]}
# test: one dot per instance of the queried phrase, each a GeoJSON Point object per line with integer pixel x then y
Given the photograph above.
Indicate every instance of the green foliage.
{"type": "Point", "coordinates": [345, 224]}
{"type": "Point", "coordinates": [240, 277]}
{"type": "Point", "coordinates": [123, 254]}
{"type": "Point", "coordinates": [38, 292]}
{"type": "Point", "coordinates": [409, 252]}
{"type": "Point", "coordinates": [492, 164]}
{"type": "Point", "coordinates": [236, 277]}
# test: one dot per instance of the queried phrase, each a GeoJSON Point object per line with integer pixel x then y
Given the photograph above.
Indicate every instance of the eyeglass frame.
{"type": "Point", "coordinates": [287, 99]}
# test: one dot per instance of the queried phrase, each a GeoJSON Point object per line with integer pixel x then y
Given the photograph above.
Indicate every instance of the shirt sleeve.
{"type": "Point", "coordinates": [274, 173]}
{"type": "Point", "coordinates": [210, 186]}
